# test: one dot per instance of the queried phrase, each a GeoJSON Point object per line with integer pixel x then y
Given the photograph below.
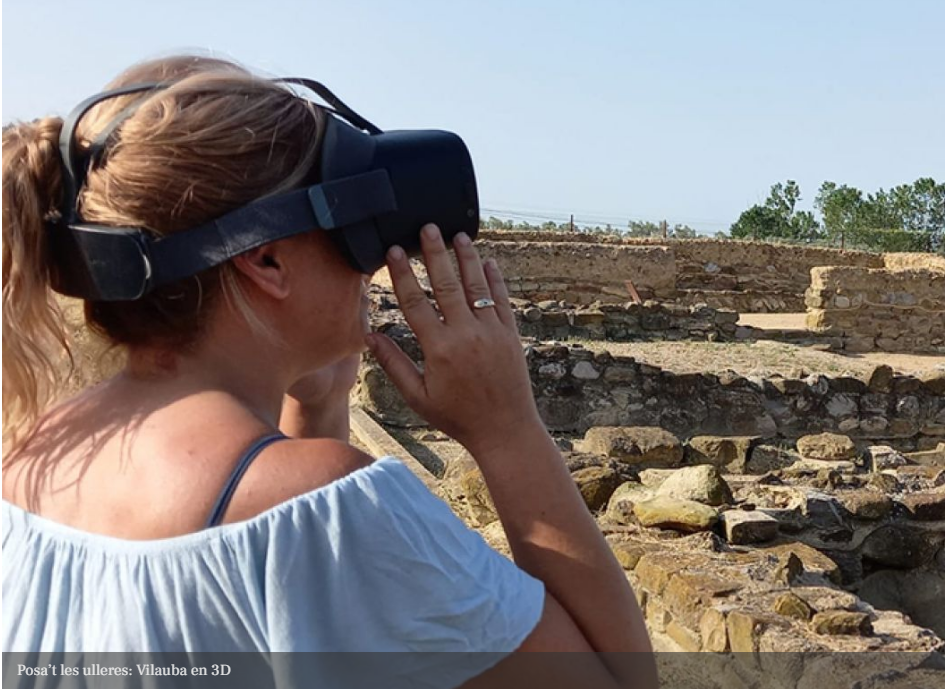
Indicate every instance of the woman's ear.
{"type": "Point", "coordinates": [266, 268]}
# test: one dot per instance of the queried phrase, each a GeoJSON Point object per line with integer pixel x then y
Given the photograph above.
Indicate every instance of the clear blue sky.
{"type": "Point", "coordinates": [686, 110]}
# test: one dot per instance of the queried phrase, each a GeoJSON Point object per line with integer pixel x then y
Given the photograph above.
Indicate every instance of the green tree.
{"type": "Point", "coordinates": [778, 218]}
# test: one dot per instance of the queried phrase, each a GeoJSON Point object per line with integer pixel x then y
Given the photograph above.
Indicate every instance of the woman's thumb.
{"type": "Point", "coordinates": [397, 365]}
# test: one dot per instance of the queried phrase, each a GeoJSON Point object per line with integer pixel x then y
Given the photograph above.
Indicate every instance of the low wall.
{"type": "Point", "coordinates": [742, 275]}
{"type": "Point", "coordinates": [576, 389]}
{"type": "Point", "coordinates": [582, 272]}
{"type": "Point", "coordinates": [907, 261]}
{"type": "Point", "coordinates": [626, 322]}
{"type": "Point", "coordinates": [891, 310]}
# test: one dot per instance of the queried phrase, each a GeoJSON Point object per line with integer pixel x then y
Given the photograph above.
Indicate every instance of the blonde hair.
{"type": "Point", "coordinates": [216, 139]}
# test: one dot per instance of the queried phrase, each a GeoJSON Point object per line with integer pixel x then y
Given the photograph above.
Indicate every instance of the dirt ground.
{"type": "Point", "coordinates": [764, 357]}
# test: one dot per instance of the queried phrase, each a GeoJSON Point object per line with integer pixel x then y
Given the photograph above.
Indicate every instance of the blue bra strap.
{"type": "Point", "coordinates": [219, 509]}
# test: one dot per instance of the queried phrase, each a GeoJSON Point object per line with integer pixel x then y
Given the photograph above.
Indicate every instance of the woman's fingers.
{"type": "Point", "coordinates": [447, 288]}
{"type": "Point", "coordinates": [474, 279]}
{"type": "Point", "coordinates": [412, 299]}
{"type": "Point", "coordinates": [500, 294]}
{"type": "Point", "coordinates": [398, 367]}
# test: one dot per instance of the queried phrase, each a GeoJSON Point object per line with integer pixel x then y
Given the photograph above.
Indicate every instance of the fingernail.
{"type": "Point", "coordinates": [462, 239]}
{"type": "Point", "coordinates": [370, 341]}
{"type": "Point", "coordinates": [395, 253]}
{"type": "Point", "coordinates": [431, 231]}
{"type": "Point", "coordinates": [492, 265]}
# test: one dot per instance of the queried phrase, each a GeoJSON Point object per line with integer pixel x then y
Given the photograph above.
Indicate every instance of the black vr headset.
{"type": "Point", "coordinates": [376, 190]}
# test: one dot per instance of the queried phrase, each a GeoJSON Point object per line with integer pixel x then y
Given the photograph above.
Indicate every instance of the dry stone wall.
{"type": "Point", "coordinates": [741, 275]}
{"type": "Point", "coordinates": [582, 273]}
{"type": "Point", "coordinates": [892, 310]}
{"type": "Point", "coordinates": [576, 389]}
{"type": "Point", "coordinates": [651, 320]}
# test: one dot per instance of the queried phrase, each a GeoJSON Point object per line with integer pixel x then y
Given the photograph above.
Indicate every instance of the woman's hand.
{"type": "Point", "coordinates": [316, 406]}
{"type": "Point", "coordinates": [475, 384]}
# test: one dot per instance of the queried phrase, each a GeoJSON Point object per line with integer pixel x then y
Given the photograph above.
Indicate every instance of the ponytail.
{"type": "Point", "coordinates": [35, 345]}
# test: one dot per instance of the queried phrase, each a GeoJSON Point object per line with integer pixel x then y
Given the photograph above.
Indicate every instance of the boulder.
{"type": "Point", "coordinates": [672, 513]}
{"type": "Point", "coordinates": [620, 505]}
{"type": "Point", "coordinates": [644, 446]}
{"type": "Point", "coordinates": [743, 527]}
{"type": "Point", "coordinates": [701, 483]}
{"type": "Point", "coordinates": [596, 484]}
{"type": "Point", "coordinates": [880, 378]}
{"type": "Point", "coordinates": [653, 478]}
{"type": "Point", "coordinates": [730, 453]}
{"type": "Point", "coordinates": [826, 446]}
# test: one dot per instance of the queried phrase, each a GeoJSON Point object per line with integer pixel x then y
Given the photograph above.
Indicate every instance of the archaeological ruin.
{"type": "Point", "coordinates": [799, 509]}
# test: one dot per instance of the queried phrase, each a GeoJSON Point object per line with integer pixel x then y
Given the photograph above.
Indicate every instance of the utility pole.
{"type": "Point", "coordinates": [664, 226]}
{"type": "Point", "coordinates": [572, 222]}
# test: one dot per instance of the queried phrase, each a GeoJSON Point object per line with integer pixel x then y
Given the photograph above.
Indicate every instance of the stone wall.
{"type": "Point", "coordinates": [576, 389]}
{"type": "Point", "coordinates": [905, 261]}
{"type": "Point", "coordinates": [741, 275]}
{"type": "Point", "coordinates": [582, 272]}
{"type": "Point", "coordinates": [626, 322]}
{"type": "Point", "coordinates": [892, 310]}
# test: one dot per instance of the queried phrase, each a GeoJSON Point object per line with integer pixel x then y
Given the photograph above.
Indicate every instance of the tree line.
{"type": "Point", "coordinates": [908, 217]}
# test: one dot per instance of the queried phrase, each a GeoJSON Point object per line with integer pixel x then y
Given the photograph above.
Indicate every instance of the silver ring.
{"type": "Point", "coordinates": [483, 303]}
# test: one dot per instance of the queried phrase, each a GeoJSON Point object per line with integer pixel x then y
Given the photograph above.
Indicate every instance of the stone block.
{"type": "Point", "coordinates": [701, 483]}
{"type": "Point", "coordinates": [728, 452]}
{"type": "Point", "coordinates": [645, 446]}
{"type": "Point", "coordinates": [744, 527]}
{"type": "Point", "coordinates": [826, 446]}
{"type": "Point", "coordinates": [713, 630]}
{"type": "Point", "coordinates": [679, 515]}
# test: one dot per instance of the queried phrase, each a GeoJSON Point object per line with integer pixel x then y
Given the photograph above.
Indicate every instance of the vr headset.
{"type": "Point", "coordinates": [376, 190]}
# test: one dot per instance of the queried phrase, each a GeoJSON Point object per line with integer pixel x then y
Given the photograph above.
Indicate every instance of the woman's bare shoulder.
{"type": "Point", "coordinates": [293, 467]}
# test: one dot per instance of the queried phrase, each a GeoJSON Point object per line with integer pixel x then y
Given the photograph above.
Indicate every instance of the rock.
{"type": "Point", "coordinates": [765, 458]}
{"type": "Point", "coordinates": [584, 370]}
{"type": "Point", "coordinates": [842, 622]}
{"type": "Point", "coordinates": [532, 314]}
{"type": "Point", "coordinates": [653, 478]}
{"type": "Point", "coordinates": [730, 453]}
{"type": "Point", "coordinates": [596, 484]}
{"type": "Point", "coordinates": [672, 513]}
{"type": "Point", "coordinates": [881, 457]}
{"type": "Point", "coordinates": [898, 545]}
{"type": "Point", "coordinates": [620, 505]}
{"type": "Point", "coordinates": [713, 631]}
{"type": "Point", "coordinates": [701, 483]}
{"type": "Point", "coordinates": [866, 504]}
{"type": "Point", "coordinates": [744, 631]}
{"type": "Point", "coordinates": [742, 528]}
{"type": "Point", "coordinates": [826, 446]}
{"type": "Point", "coordinates": [812, 560]}
{"type": "Point", "coordinates": [927, 507]}
{"type": "Point", "coordinates": [644, 446]}
{"type": "Point", "coordinates": [791, 605]}
{"type": "Point", "coordinates": [880, 379]}
{"type": "Point", "coordinates": [789, 569]}
{"type": "Point", "coordinates": [886, 483]}
{"type": "Point", "coordinates": [934, 380]}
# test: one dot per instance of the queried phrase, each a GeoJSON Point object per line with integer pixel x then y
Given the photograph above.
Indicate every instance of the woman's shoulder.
{"type": "Point", "coordinates": [294, 467]}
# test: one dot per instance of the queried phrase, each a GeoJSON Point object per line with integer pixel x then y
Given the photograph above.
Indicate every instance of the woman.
{"type": "Point", "coordinates": [312, 545]}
